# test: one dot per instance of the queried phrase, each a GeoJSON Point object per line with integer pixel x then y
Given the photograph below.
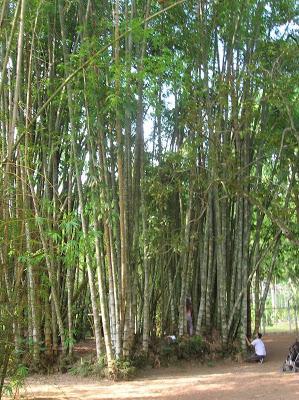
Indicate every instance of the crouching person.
{"type": "Point", "coordinates": [259, 349]}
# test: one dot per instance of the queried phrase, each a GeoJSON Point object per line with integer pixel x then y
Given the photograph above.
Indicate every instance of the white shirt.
{"type": "Point", "coordinates": [259, 347]}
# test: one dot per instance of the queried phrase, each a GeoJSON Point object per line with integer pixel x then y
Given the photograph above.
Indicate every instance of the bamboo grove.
{"type": "Point", "coordinates": [149, 153]}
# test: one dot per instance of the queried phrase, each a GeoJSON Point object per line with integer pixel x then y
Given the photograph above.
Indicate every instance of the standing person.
{"type": "Point", "coordinates": [259, 349]}
{"type": "Point", "coordinates": [189, 316]}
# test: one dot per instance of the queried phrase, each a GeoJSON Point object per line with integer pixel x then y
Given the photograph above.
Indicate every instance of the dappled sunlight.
{"type": "Point", "coordinates": [225, 380]}
{"type": "Point", "coordinates": [210, 385]}
{"type": "Point", "coordinates": [139, 389]}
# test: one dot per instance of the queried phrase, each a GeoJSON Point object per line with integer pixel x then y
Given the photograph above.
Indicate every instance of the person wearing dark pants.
{"type": "Point", "coordinates": [259, 349]}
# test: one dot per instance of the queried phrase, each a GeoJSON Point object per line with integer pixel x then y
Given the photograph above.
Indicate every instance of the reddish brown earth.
{"type": "Point", "coordinates": [224, 381]}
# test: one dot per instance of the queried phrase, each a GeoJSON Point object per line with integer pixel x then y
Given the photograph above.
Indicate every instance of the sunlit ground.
{"type": "Point", "coordinates": [240, 383]}
{"type": "Point", "coordinates": [225, 380]}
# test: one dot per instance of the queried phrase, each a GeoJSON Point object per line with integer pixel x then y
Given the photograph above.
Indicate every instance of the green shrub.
{"type": "Point", "coordinates": [89, 368]}
{"type": "Point", "coordinates": [65, 363]}
{"type": "Point", "coordinates": [139, 360]}
{"type": "Point", "coordinates": [169, 353]}
{"type": "Point", "coordinates": [16, 381]}
{"type": "Point", "coordinates": [193, 347]}
{"type": "Point", "coordinates": [211, 364]}
{"type": "Point", "coordinates": [123, 369]}
{"type": "Point", "coordinates": [185, 348]}
{"type": "Point", "coordinates": [82, 368]}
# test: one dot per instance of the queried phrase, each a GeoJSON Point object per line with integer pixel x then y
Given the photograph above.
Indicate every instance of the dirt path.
{"type": "Point", "coordinates": [225, 381]}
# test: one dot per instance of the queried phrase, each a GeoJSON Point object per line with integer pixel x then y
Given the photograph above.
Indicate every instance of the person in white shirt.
{"type": "Point", "coordinates": [259, 349]}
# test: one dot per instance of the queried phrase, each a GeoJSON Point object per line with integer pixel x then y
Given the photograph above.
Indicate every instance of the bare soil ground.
{"type": "Point", "coordinates": [226, 380]}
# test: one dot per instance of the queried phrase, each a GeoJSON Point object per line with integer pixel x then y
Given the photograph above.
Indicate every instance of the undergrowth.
{"type": "Point", "coordinates": [120, 370]}
{"type": "Point", "coordinates": [193, 348]}
{"type": "Point", "coordinates": [161, 353]}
